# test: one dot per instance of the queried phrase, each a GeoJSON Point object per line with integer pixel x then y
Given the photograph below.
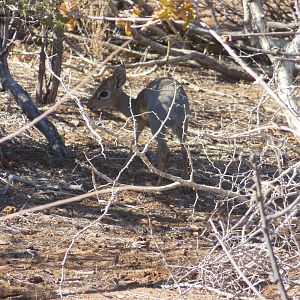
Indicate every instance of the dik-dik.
{"type": "Point", "coordinates": [162, 101]}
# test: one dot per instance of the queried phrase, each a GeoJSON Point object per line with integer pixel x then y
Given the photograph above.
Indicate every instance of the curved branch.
{"type": "Point", "coordinates": [21, 96]}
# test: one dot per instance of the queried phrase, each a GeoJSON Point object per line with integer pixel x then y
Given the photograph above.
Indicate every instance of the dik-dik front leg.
{"type": "Point", "coordinates": [139, 126]}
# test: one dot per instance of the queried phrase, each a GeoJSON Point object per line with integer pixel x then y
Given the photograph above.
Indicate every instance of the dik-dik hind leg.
{"type": "Point", "coordinates": [185, 160]}
{"type": "Point", "coordinates": [181, 133]}
{"type": "Point", "coordinates": [163, 152]}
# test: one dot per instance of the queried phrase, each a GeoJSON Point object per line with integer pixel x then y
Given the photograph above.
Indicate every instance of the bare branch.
{"type": "Point", "coordinates": [290, 113]}
{"type": "Point", "coordinates": [237, 268]}
{"type": "Point", "coordinates": [265, 231]}
{"type": "Point", "coordinates": [284, 211]}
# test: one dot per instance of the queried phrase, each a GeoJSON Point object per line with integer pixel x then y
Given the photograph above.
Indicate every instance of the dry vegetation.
{"type": "Point", "coordinates": [176, 244]}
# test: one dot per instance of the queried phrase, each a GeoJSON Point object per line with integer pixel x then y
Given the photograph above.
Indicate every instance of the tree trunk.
{"type": "Point", "coordinates": [40, 91]}
{"type": "Point", "coordinates": [21, 96]}
{"type": "Point", "coordinates": [56, 63]}
{"type": "Point", "coordinates": [283, 69]}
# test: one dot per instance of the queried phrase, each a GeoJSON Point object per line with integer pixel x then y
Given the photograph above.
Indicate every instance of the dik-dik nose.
{"type": "Point", "coordinates": [91, 105]}
{"type": "Point", "coordinates": [96, 102]}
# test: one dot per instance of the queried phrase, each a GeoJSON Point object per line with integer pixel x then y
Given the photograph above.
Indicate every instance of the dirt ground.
{"type": "Point", "coordinates": [148, 243]}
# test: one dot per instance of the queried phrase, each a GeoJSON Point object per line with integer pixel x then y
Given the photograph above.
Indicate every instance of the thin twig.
{"type": "Point", "coordinates": [284, 211]}
{"type": "Point", "coordinates": [75, 237]}
{"type": "Point", "coordinates": [264, 229]}
{"type": "Point", "coordinates": [237, 268]}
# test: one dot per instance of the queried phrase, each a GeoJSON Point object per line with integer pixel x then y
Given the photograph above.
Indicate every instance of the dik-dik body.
{"type": "Point", "coordinates": [162, 101]}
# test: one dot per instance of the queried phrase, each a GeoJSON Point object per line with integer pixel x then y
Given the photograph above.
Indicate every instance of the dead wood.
{"type": "Point", "coordinates": [201, 59]}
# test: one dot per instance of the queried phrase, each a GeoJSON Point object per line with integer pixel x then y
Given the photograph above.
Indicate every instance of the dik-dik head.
{"type": "Point", "coordinates": [109, 93]}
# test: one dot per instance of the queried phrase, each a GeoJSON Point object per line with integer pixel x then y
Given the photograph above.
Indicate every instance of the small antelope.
{"type": "Point", "coordinates": [162, 104]}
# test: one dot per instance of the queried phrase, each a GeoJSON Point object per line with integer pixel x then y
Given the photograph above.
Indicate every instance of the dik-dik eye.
{"type": "Point", "coordinates": [104, 95]}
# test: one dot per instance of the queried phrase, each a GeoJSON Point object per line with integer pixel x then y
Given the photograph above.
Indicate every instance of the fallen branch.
{"type": "Point", "coordinates": [117, 189]}
{"type": "Point", "coordinates": [203, 60]}
{"type": "Point", "coordinates": [12, 179]}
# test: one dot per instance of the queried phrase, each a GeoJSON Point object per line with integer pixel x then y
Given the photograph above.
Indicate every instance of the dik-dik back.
{"type": "Point", "coordinates": [167, 101]}
{"type": "Point", "coordinates": [161, 105]}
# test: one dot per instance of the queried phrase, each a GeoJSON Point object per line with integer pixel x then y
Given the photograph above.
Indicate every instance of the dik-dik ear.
{"type": "Point", "coordinates": [119, 76]}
